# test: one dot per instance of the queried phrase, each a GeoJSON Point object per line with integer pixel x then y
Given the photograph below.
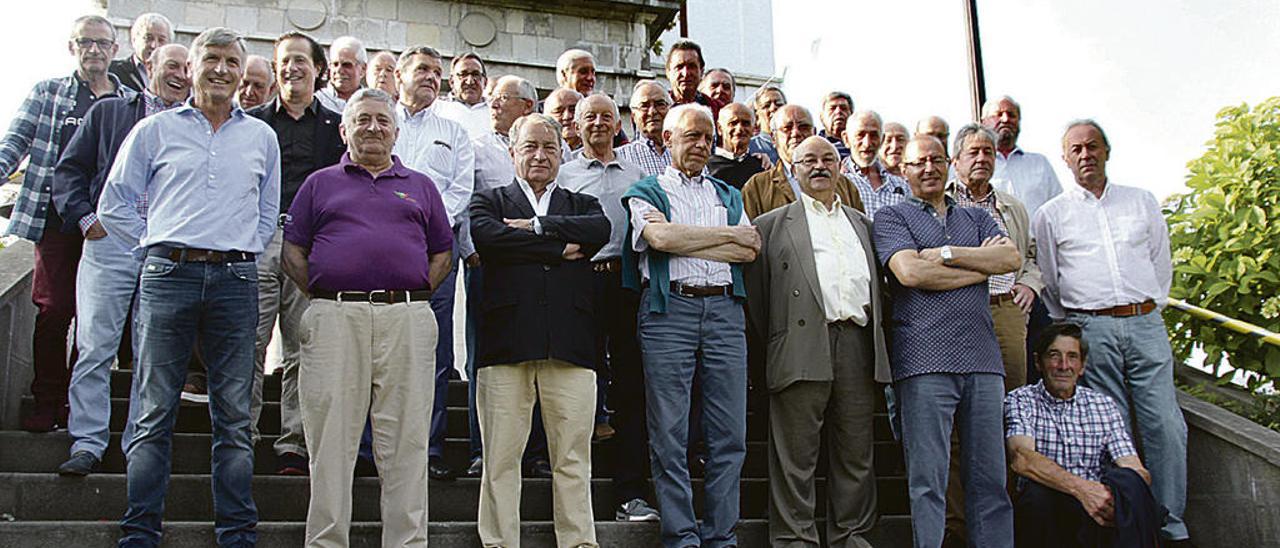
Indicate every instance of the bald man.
{"type": "Point", "coordinates": [935, 127]}
{"type": "Point", "coordinates": [768, 190]}
{"type": "Point", "coordinates": [733, 163]}
{"type": "Point", "coordinates": [877, 187]}
{"type": "Point", "coordinates": [823, 370]}
{"type": "Point", "coordinates": [258, 85]}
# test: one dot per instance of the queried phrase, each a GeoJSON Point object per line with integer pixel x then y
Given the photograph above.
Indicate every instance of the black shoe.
{"type": "Point", "coordinates": [476, 469]}
{"type": "Point", "coordinates": [436, 470]}
{"type": "Point", "coordinates": [292, 464]}
{"type": "Point", "coordinates": [80, 464]}
{"type": "Point", "coordinates": [40, 419]}
{"type": "Point", "coordinates": [537, 468]}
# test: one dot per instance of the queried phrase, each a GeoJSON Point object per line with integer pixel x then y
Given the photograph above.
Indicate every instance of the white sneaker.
{"type": "Point", "coordinates": [636, 510]}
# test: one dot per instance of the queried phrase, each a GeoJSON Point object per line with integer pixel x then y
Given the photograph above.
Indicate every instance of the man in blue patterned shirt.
{"type": "Point", "coordinates": [876, 185]}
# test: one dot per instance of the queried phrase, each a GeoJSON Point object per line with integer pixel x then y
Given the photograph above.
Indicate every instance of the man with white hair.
{"type": "Point", "coordinates": [347, 61]}
{"type": "Point", "coordinates": [149, 31]}
{"type": "Point", "coordinates": [769, 190]}
{"type": "Point", "coordinates": [381, 73]}
{"type": "Point", "coordinates": [576, 70]}
{"type": "Point", "coordinates": [878, 188]}
{"type": "Point", "coordinates": [687, 236]}
{"type": "Point", "coordinates": [650, 103]}
{"type": "Point", "coordinates": [259, 83]}
{"type": "Point", "coordinates": [561, 104]}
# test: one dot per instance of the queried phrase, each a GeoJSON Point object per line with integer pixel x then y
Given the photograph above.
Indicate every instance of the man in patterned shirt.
{"type": "Point", "coordinates": [1063, 441]}
{"type": "Point", "coordinates": [649, 106]}
{"type": "Point", "coordinates": [876, 185]}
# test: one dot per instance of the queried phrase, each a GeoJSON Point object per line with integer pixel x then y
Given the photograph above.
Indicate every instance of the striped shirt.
{"type": "Point", "coordinates": [997, 284]}
{"type": "Point", "coordinates": [1028, 177]}
{"type": "Point", "coordinates": [893, 189]}
{"type": "Point", "coordinates": [644, 154]}
{"type": "Point", "coordinates": [1080, 434]}
{"type": "Point", "coordinates": [694, 202]}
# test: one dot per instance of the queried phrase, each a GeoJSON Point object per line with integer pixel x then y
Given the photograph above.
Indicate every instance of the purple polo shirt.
{"type": "Point", "coordinates": [367, 233]}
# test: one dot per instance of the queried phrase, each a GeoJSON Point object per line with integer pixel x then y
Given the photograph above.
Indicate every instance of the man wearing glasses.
{"type": "Point", "coordinates": [945, 359]}
{"type": "Point", "coordinates": [41, 130]}
{"type": "Point", "coordinates": [649, 105]}
{"type": "Point", "coordinates": [466, 105]}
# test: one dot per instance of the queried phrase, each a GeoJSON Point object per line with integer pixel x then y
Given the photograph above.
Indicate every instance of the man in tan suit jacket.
{"type": "Point", "coordinates": [769, 190]}
{"type": "Point", "coordinates": [814, 294]}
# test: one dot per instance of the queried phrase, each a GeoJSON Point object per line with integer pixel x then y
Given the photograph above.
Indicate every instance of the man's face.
{"type": "Point", "coordinates": [170, 78]}
{"type": "Point", "coordinates": [467, 81]}
{"type": "Point", "coordinates": [562, 105]}
{"type": "Point", "coordinates": [257, 85]}
{"type": "Point", "coordinates": [370, 132]}
{"type": "Point", "coordinates": [217, 72]}
{"type": "Point", "coordinates": [506, 105]}
{"type": "Point", "coordinates": [768, 103]}
{"type": "Point", "coordinates": [684, 70]}
{"type": "Point", "coordinates": [420, 80]}
{"type": "Point", "coordinates": [895, 143]}
{"type": "Point", "coordinates": [936, 127]}
{"type": "Point", "coordinates": [717, 85]}
{"type": "Point", "coordinates": [381, 73]}
{"type": "Point", "coordinates": [596, 121]}
{"type": "Point", "coordinates": [649, 105]}
{"type": "Point", "coordinates": [794, 126]}
{"type": "Point", "coordinates": [1085, 153]}
{"type": "Point", "coordinates": [736, 127]}
{"type": "Point", "coordinates": [925, 165]}
{"type": "Point", "coordinates": [976, 159]}
{"type": "Point", "coordinates": [295, 69]}
{"type": "Point", "coordinates": [1062, 366]}
{"type": "Point", "coordinates": [345, 71]}
{"type": "Point", "coordinates": [1006, 121]}
{"type": "Point", "coordinates": [581, 76]}
{"type": "Point", "coordinates": [835, 116]}
{"type": "Point", "coordinates": [93, 45]}
{"type": "Point", "coordinates": [151, 38]}
{"type": "Point", "coordinates": [537, 154]}
{"type": "Point", "coordinates": [863, 139]}
{"type": "Point", "coordinates": [690, 142]}
{"type": "Point", "coordinates": [816, 165]}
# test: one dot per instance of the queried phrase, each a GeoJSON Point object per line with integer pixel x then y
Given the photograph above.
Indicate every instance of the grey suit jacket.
{"type": "Point", "coordinates": [784, 300]}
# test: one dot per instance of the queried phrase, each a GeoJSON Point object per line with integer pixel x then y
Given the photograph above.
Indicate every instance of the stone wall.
{"type": "Point", "coordinates": [17, 320]}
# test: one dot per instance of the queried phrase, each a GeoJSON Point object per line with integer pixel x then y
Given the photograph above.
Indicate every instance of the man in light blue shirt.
{"type": "Point", "coordinates": [210, 175]}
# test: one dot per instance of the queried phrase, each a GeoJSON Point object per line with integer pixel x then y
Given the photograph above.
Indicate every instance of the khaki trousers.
{"type": "Point", "coordinates": [505, 395]}
{"type": "Point", "coordinates": [1011, 332]}
{"type": "Point", "coordinates": [367, 360]}
{"type": "Point", "coordinates": [279, 297]}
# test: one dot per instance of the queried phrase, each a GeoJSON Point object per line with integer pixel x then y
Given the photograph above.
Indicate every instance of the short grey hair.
{"type": "Point", "coordinates": [644, 83]}
{"type": "Point", "coordinates": [755, 97]}
{"type": "Point", "coordinates": [577, 114]}
{"type": "Point", "coordinates": [837, 95]}
{"type": "Point", "coordinates": [969, 130]}
{"type": "Point", "coordinates": [364, 95]}
{"type": "Point", "coordinates": [85, 20]}
{"type": "Point", "coordinates": [216, 36]}
{"type": "Point", "coordinates": [991, 105]}
{"type": "Point", "coordinates": [567, 59]}
{"type": "Point", "coordinates": [678, 111]}
{"type": "Point", "coordinates": [146, 20]}
{"type": "Point", "coordinates": [253, 58]}
{"type": "Point", "coordinates": [408, 54]}
{"type": "Point", "coordinates": [524, 87]}
{"type": "Point", "coordinates": [349, 42]}
{"type": "Point", "coordinates": [1085, 122]}
{"type": "Point", "coordinates": [484, 72]}
{"type": "Point", "coordinates": [857, 115]}
{"type": "Point", "coordinates": [732, 81]}
{"type": "Point", "coordinates": [517, 127]}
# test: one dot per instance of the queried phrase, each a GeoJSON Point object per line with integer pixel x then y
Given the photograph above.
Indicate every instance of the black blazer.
{"type": "Point", "coordinates": [327, 146]}
{"type": "Point", "coordinates": [535, 304]}
{"type": "Point", "coordinates": [128, 73]}
{"type": "Point", "coordinates": [83, 167]}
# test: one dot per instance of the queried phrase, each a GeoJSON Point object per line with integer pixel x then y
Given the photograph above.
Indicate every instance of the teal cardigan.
{"type": "Point", "coordinates": [649, 190]}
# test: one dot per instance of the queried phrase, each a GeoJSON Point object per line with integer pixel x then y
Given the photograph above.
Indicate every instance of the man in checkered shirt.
{"type": "Point", "coordinates": [1063, 441]}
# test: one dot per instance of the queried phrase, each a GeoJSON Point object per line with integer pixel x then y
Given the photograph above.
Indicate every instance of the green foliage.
{"type": "Point", "coordinates": [1225, 236]}
{"type": "Point", "coordinates": [1263, 409]}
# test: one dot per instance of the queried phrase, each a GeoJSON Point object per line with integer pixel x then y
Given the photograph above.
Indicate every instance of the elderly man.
{"type": "Point", "coordinates": [1104, 251]}
{"type": "Point", "coordinates": [836, 108]}
{"type": "Point", "coordinates": [649, 106]}
{"type": "Point", "coordinates": [440, 148]}
{"type": "Point", "coordinates": [719, 85]}
{"type": "Point", "coordinates": [258, 86]}
{"type": "Point", "coordinates": [561, 104]}
{"type": "Point", "coordinates": [895, 142]}
{"type": "Point", "coordinates": [946, 360]}
{"type": "Point", "coordinates": [733, 163]}
{"type": "Point", "coordinates": [371, 332]}
{"type": "Point", "coordinates": [599, 172]}
{"type": "Point", "coordinates": [768, 190]}
{"type": "Point", "coordinates": [149, 32]}
{"type": "Point", "coordinates": [936, 127]}
{"type": "Point", "coordinates": [41, 130]}
{"type": "Point", "coordinates": [822, 372]}
{"type": "Point", "coordinates": [210, 176]}
{"type": "Point", "coordinates": [688, 234]}
{"type": "Point", "coordinates": [347, 62]}
{"type": "Point", "coordinates": [1027, 175]}
{"type": "Point", "coordinates": [381, 73]}
{"type": "Point", "coordinates": [1011, 294]}
{"type": "Point", "coordinates": [466, 105]}
{"type": "Point", "coordinates": [684, 70]}
{"type": "Point", "coordinates": [576, 70]}
{"type": "Point", "coordinates": [108, 275]}
{"type": "Point", "coordinates": [876, 186]}
{"type": "Point", "coordinates": [537, 341]}
{"type": "Point", "coordinates": [1072, 449]}
{"type": "Point", "coordinates": [767, 100]}
{"type": "Point", "coordinates": [309, 139]}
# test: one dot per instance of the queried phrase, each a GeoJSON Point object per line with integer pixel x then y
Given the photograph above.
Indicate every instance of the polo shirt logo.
{"type": "Point", "coordinates": [404, 196]}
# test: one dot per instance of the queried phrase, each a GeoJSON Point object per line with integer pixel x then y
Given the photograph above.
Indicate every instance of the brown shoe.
{"type": "Point", "coordinates": [604, 432]}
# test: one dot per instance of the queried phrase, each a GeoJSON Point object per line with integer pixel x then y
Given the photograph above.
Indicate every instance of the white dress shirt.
{"type": "Point", "coordinates": [694, 202]}
{"type": "Point", "coordinates": [440, 148]}
{"type": "Point", "coordinates": [473, 118]}
{"type": "Point", "coordinates": [494, 169]}
{"type": "Point", "coordinates": [1099, 253]}
{"type": "Point", "coordinates": [1027, 176]}
{"type": "Point", "coordinates": [539, 203]}
{"type": "Point", "coordinates": [329, 99]}
{"type": "Point", "coordinates": [843, 275]}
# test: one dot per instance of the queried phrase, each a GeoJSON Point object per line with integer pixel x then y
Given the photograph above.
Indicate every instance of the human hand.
{"type": "Point", "coordinates": [746, 236]}
{"type": "Point", "coordinates": [995, 240]}
{"type": "Point", "coordinates": [654, 216]}
{"type": "Point", "coordinates": [572, 252]}
{"type": "Point", "coordinates": [95, 232]}
{"type": "Point", "coordinates": [933, 255]}
{"type": "Point", "coordinates": [1024, 297]}
{"type": "Point", "coordinates": [765, 162]}
{"type": "Point", "coordinates": [473, 260]}
{"type": "Point", "coordinates": [1098, 503]}
{"type": "Point", "coordinates": [521, 224]}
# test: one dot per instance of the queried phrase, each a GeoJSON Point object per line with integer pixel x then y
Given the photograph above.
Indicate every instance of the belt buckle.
{"type": "Point", "coordinates": [374, 294]}
{"type": "Point", "coordinates": [680, 290]}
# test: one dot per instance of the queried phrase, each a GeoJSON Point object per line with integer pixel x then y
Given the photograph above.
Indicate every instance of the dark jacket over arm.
{"type": "Point", "coordinates": [84, 165]}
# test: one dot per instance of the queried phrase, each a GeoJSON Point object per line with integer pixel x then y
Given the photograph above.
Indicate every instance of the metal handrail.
{"type": "Point", "coordinates": [1228, 322]}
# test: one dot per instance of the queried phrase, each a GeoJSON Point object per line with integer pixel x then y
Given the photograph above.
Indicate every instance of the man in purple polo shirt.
{"type": "Point", "coordinates": [370, 240]}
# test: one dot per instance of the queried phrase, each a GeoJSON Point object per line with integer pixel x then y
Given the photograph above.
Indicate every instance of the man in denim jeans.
{"type": "Point", "coordinates": [211, 177]}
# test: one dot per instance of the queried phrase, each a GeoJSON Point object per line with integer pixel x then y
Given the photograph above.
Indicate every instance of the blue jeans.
{"type": "Point", "coordinates": [1130, 361]}
{"type": "Point", "coordinates": [177, 301]}
{"type": "Point", "coordinates": [704, 336]}
{"type": "Point", "coordinates": [105, 286]}
{"type": "Point", "coordinates": [442, 305]}
{"type": "Point", "coordinates": [930, 406]}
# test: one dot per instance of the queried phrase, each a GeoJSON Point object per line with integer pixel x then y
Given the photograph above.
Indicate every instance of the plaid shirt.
{"type": "Point", "coordinates": [644, 155]}
{"type": "Point", "coordinates": [35, 132]}
{"type": "Point", "coordinates": [1080, 434]}
{"type": "Point", "coordinates": [998, 284]}
{"type": "Point", "coordinates": [893, 189]}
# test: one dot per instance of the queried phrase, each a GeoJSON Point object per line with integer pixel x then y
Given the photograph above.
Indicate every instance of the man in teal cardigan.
{"type": "Point", "coordinates": [688, 238]}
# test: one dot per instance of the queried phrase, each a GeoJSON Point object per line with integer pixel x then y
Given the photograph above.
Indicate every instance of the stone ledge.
{"type": "Point", "coordinates": [1231, 428]}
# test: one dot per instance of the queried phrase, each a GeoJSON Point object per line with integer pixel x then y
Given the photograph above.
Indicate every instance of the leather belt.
{"type": "Point", "coordinates": [1122, 311]}
{"type": "Point", "coordinates": [193, 255]}
{"type": "Point", "coordinates": [381, 296]}
{"type": "Point", "coordinates": [683, 290]}
{"type": "Point", "coordinates": [997, 299]}
{"type": "Point", "coordinates": [611, 266]}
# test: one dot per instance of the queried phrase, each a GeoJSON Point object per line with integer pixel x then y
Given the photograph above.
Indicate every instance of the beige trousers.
{"type": "Point", "coordinates": [367, 360]}
{"type": "Point", "coordinates": [505, 396]}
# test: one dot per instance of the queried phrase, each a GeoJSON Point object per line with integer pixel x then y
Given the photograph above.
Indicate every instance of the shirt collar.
{"type": "Point", "coordinates": [1084, 194]}
{"type": "Point", "coordinates": [421, 115]}
{"type": "Point", "coordinates": [814, 206]}
{"type": "Point", "coordinates": [724, 153]}
{"type": "Point", "coordinates": [955, 186]}
{"type": "Point", "coordinates": [1044, 395]}
{"type": "Point", "coordinates": [528, 190]}
{"type": "Point", "coordinates": [189, 106]}
{"type": "Point", "coordinates": [927, 206]}
{"type": "Point", "coordinates": [156, 102]}
{"type": "Point", "coordinates": [278, 106]}
{"type": "Point", "coordinates": [1017, 151]}
{"type": "Point", "coordinates": [397, 169]}
{"type": "Point", "coordinates": [671, 171]}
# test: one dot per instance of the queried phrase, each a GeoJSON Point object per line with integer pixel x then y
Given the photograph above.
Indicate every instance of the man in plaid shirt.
{"type": "Point", "coordinates": [41, 130]}
{"type": "Point", "coordinates": [1065, 442]}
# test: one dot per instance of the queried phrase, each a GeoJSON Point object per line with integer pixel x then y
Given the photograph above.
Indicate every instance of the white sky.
{"type": "Point", "coordinates": [1153, 72]}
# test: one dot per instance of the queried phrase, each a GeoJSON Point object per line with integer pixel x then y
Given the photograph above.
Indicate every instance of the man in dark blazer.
{"type": "Point", "coordinates": [814, 295]}
{"type": "Point", "coordinates": [537, 337]}
{"type": "Point", "coordinates": [149, 32]}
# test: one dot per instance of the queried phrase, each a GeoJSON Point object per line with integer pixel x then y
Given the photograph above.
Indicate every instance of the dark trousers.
{"type": "Point", "coordinates": [53, 291]}
{"type": "Point", "coordinates": [1045, 518]}
{"type": "Point", "coordinates": [618, 351]}
{"type": "Point", "coordinates": [442, 306]}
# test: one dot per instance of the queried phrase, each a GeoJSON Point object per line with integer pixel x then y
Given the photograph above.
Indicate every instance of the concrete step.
{"type": "Point", "coordinates": [890, 532]}
{"type": "Point", "coordinates": [48, 497]}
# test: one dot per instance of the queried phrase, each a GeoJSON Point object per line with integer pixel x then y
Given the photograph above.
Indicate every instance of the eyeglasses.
{"type": "Point", "coordinates": [497, 99]}
{"type": "Point", "coordinates": [935, 160]}
{"type": "Point", "coordinates": [88, 43]}
{"type": "Point", "coordinates": [472, 74]}
{"type": "Point", "coordinates": [651, 105]}
{"type": "Point", "coordinates": [813, 162]}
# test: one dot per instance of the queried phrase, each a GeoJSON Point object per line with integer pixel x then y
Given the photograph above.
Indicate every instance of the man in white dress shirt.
{"type": "Point", "coordinates": [1104, 252]}
{"type": "Point", "coordinates": [439, 147]}
{"type": "Point", "coordinates": [347, 62]}
{"type": "Point", "coordinates": [1026, 175]}
{"type": "Point", "coordinates": [466, 104]}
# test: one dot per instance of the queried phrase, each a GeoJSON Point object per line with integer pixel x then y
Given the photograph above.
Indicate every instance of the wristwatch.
{"type": "Point", "coordinates": [946, 255]}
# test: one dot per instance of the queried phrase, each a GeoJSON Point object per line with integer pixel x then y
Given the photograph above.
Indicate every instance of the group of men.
{"type": "Point", "coordinates": [211, 195]}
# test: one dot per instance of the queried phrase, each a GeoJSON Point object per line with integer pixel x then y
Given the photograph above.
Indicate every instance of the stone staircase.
{"type": "Point", "coordinates": [39, 508]}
